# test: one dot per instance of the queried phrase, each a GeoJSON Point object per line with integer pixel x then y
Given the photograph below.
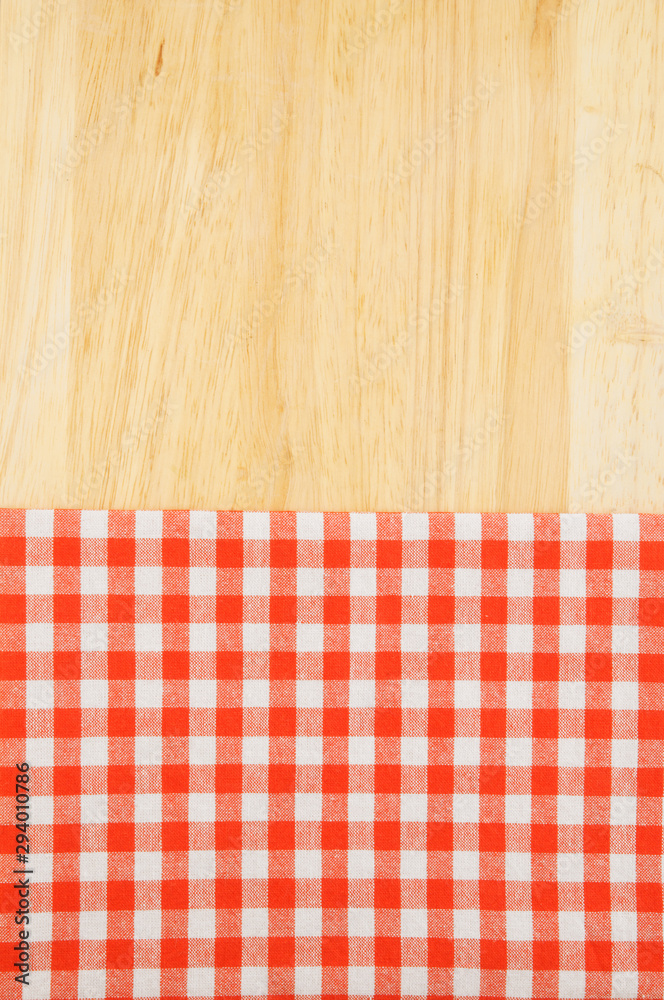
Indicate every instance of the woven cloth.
{"type": "Point", "coordinates": [332, 755]}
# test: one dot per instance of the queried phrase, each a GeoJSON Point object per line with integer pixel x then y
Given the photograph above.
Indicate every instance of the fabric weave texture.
{"type": "Point", "coordinates": [334, 755]}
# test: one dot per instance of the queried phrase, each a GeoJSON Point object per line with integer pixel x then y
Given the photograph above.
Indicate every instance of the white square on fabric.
{"type": "Point", "coordinates": [147, 982]}
{"type": "Point", "coordinates": [572, 583]}
{"type": "Point", "coordinates": [310, 581]}
{"type": "Point", "coordinates": [362, 581]}
{"type": "Point", "coordinates": [308, 807]}
{"type": "Point", "coordinates": [255, 864]}
{"type": "Point", "coordinates": [148, 693]}
{"type": "Point", "coordinates": [467, 638]}
{"type": "Point", "coordinates": [256, 525]}
{"type": "Point", "coordinates": [626, 527]}
{"type": "Point", "coordinates": [414, 751]}
{"type": "Point", "coordinates": [570, 810]}
{"type": "Point", "coordinates": [309, 864]}
{"type": "Point", "coordinates": [308, 751]}
{"type": "Point", "coordinates": [570, 867]}
{"type": "Point", "coordinates": [200, 982]}
{"type": "Point", "coordinates": [468, 527]}
{"type": "Point", "coordinates": [623, 810]}
{"type": "Point", "coordinates": [571, 694]}
{"type": "Point", "coordinates": [414, 808]}
{"type": "Point", "coordinates": [310, 526]}
{"type": "Point", "coordinates": [363, 527]}
{"type": "Point", "coordinates": [361, 806]}
{"type": "Point", "coordinates": [255, 580]}
{"type": "Point", "coordinates": [467, 694]}
{"type": "Point", "coordinates": [361, 750]}
{"type": "Point", "coordinates": [255, 922]}
{"type": "Point", "coordinates": [467, 924]}
{"type": "Point", "coordinates": [466, 982]}
{"type": "Point", "coordinates": [360, 864]}
{"type": "Point", "coordinates": [361, 980]}
{"type": "Point", "coordinates": [361, 921]}
{"type": "Point", "coordinates": [202, 581]}
{"type": "Point", "coordinates": [39, 579]}
{"type": "Point", "coordinates": [466, 865]}
{"type": "Point", "coordinates": [147, 580]}
{"type": "Point", "coordinates": [39, 637]}
{"type": "Point", "coordinates": [147, 750]}
{"type": "Point", "coordinates": [309, 694]}
{"type": "Point", "coordinates": [94, 524]}
{"type": "Point", "coordinates": [310, 638]}
{"type": "Point", "coordinates": [202, 524]}
{"type": "Point", "coordinates": [149, 524]}
{"type": "Point", "coordinates": [94, 751]}
{"type": "Point", "coordinates": [413, 865]}
{"type": "Point", "coordinates": [622, 867]}
{"type": "Point", "coordinates": [625, 695]}
{"type": "Point", "coordinates": [202, 693]}
{"type": "Point", "coordinates": [203, 637]}
{"type": "Point", "coordinates": [147, 807]}
{"type": "Point", "coordinates": [147, 637]}
{"type": "Point", "coordinates": [518, 808]}
{"type": "Point", "coordinates": [467, 582]}
{"type": "Point", "coordinates": [414, 923]}
{"type": "Point", "coordinates": [624, 753]}
{"type": "Point", "coordinates": [201, 865]}
{"type": "Point", "coordinates": [520, 527]}
{"type": "Point", "coordinates": [466, 808]}
{"type": "Point", "coordinates": [520, 582]}
{"type": "Point", "coordinates": [147, 925]}
{"type": "Point", "coordinates": [254, 981]}
{"type": "Point", "coordinates": [255, 693]}
{"type": "Point", "coordinates": [518, 751]}
{"type": "Point", "coordinates": [519, 638]}
{"type": "Point", "coordinates": [414, 693]}
{"type": "Point", "coordinates": [624, 925]}
{"type": "Point", "coordinates": [415, 526]}
{"type": "Point", "coordinates": [94, 580]}
{"type": "Point", "coordinates": [91, 985]}
{"type": "Point", "coordinates": [93, 866]}
{"type": "Point", "coordinates": [519, 694]}
{"type": "Point", "coordinates": [362, 638]}
{"type": "Point", "coordinates": [625, 639]}
{"type": "Point", "coordinates": [517, 866]}
{"type": "Point", "coordinates": [41, 810]}
{"type": "Point", "coordinates": [308, 980]}
{"type": "Point", "coordinates": [414, 582]}
{"type": "Point", "coordinates": [147, 866]}
{"type": "Point", "coordinates": [519, 983]}
{"type": "Point", "coordinates": [361, 693]}
{"type": "Point", "coordinates": [571, 752]}
{"type": "Point", "coordinates": [626, 583]}
{"type": "Point", "coordinates": [93, 925]}
{"type": "Point", "coordinates": [414, 980]}
{"type": "Point", "coordinates": [519, 925]}
{"type": "Point", "coordinates": [255, 806]}
{"type": "Point", "coordinates": [572, 639]}
{"type": "Point", "coordinates": [255, 750]}
{"type": "Point", "coordinates": [308, 921]}
{"type": "Point", "coordinates": [39, 694]}
{"type": "Point", "coordinates": [256, 637]}
{"type": "Point", "coordinates": [39, 523]}
{"type": "Point", "coordinates": [202, 923]}
{"type": "Point", "coordinates": [572, 527]}
{"type": "Point", "coordinates": [571, 925]}
{"type": "Point", "coordinates": [94, 693]}
{"type": "Point", "coordinates": [466, 751]}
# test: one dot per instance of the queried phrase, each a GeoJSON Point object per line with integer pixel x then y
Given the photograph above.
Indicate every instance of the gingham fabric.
{"type": "Point", "coordinates": [334, 755]}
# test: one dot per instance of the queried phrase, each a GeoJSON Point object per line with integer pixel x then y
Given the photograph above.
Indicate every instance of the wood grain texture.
{"type": "Point", "coordinates": [346, 254]}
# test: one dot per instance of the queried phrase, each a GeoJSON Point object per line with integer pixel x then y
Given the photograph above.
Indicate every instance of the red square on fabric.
{"type": "Point", "coordinates": [67, 551]}
{"type": "Point", "coordinates": [121, 552]}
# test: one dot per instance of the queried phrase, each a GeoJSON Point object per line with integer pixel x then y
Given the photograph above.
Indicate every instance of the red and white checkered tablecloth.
{"type": "Point", "coordinates": [332, 755]}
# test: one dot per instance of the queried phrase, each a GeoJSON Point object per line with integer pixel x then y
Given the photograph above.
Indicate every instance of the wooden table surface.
{"type": "Point", "coordinates": [332, 254]}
